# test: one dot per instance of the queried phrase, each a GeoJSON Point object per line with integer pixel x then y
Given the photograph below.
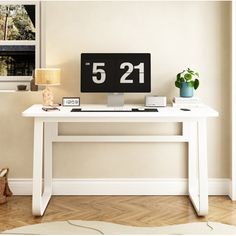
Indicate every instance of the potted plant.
{"type": "Point", "coordinates": [186, 81]}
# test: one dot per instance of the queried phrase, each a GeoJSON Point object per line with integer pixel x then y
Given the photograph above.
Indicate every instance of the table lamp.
{"type": "Point", "coordinates": [47, 77]}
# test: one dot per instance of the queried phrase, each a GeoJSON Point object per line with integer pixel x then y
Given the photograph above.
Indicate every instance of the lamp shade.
{"type": "Point", "coordinates": [47, 76]}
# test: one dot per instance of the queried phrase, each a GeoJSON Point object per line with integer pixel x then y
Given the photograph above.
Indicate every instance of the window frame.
{"type": "Point", "coordinates": [11, 82]}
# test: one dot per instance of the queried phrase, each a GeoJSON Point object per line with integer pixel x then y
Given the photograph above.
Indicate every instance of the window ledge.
{"type": "Point", "coordinates": [15, 91]}
{"type": "Point", "coordinates": [7, 91]}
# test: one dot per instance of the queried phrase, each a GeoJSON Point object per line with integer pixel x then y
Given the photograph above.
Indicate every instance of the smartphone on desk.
{"type": "Point", "coordinates": [50, 109]}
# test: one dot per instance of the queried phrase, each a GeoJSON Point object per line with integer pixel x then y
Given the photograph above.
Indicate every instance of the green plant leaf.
{"type": "Point", "coordinates": [197, 74]}
{"type": "Point", "coordinates": [182, 80]}
{"type": "Point", "coordinates": [178, 76]}
{"type": "Point", "coordinates": [188, 77]}
{"type": "Point", "coordinates": [196, 84]}
{"type": "Point", "coordinates": [177, 84]}
{"type": "Point", "coordinates": [191, 84]}
{"type": "Point", "coordinates": [190, 71]}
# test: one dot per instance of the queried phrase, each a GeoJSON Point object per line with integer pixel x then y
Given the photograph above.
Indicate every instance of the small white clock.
{"type": "Point", "coordinates": [70, 101]}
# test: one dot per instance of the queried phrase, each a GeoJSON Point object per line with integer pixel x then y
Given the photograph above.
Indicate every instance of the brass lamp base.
{"type": "Point", "coordinates": [47, 97]}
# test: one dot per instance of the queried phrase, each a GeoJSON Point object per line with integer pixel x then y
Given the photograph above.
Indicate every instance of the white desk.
{"type": "Point", "coordinates": [194, 132]}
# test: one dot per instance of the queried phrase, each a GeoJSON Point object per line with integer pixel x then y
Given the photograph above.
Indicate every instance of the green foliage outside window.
{"type": "Point", "coordinates": [15, 23]}
{"type": "Point", "coordinates": [3, 67]}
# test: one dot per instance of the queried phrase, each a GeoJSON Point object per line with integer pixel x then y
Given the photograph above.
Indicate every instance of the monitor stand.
{"type": "Point", "coordinates": [115, 99]}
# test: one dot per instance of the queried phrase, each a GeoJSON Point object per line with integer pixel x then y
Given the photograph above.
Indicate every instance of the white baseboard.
{"type": "Point", "coordinates": [161, 186]}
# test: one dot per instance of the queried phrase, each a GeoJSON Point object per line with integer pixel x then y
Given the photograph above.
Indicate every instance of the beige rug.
{"type": "Point", "coordinates": [99, 227]}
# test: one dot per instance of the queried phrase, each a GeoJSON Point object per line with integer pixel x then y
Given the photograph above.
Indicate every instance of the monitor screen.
{"type": "Point", "coordinates": [115, 72]}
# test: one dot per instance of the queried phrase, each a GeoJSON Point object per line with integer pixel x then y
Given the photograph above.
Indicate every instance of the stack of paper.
{"type": "Point", "coordinates": [182, 102]}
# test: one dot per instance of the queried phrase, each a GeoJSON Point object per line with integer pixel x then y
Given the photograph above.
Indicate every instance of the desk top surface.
{"type": "Point", "coordinates": [169, 111]}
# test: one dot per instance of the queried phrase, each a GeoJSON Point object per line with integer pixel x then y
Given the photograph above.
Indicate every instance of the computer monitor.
{"type": "Point", "coordinates": [115, 73]}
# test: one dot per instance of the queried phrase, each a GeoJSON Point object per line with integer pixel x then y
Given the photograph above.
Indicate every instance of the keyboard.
{"type": "Point", "coordinates": [132, 110]}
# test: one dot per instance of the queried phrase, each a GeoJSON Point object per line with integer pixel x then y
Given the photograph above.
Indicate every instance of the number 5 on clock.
{"type": "Point", "coordinates": [97, 71]}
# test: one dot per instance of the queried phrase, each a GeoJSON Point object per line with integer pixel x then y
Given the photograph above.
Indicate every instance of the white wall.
{"type": "Point", "coordinates": [178, 35]}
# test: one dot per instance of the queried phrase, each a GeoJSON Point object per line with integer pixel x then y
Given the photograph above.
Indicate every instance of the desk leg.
{"type": "Point", "coordinates": [197, 165]}
{"type": "Point", "coordinates": [50, 131]}
{"type": "Point", "coordinates": [203, 170]}
{"type": "Point", "coordinates": [40, 200]}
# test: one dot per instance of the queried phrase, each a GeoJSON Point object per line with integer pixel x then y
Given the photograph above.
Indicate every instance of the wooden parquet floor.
{"type": "Point", "coordinates": [127, 210]}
